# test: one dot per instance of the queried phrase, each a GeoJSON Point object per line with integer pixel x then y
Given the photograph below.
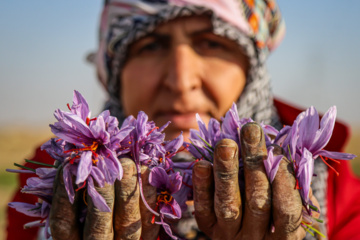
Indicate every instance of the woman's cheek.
{"type": "Point", "coordinates": [225, 82]}
{"type": "Point", "coordinates": [138, 87]}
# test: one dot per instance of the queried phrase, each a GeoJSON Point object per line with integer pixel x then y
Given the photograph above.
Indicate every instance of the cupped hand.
{"type": "Point", "coordinates": [129, 219]}
{"type": "Point", "coordinates": [265, 211]}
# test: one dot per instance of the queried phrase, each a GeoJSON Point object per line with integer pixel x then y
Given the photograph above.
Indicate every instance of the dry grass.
{"type": "Point", "coordinates": [17, 143]}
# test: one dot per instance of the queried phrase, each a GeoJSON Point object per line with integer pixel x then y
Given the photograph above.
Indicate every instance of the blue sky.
{"type": "Point", "coordinates": [44, 45]}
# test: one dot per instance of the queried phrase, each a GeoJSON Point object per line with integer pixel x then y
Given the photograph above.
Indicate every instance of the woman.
{"type": "Point", "coordinates": [173, 59]}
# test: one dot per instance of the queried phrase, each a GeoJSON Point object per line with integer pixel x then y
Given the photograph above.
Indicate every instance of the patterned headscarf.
{"type": "Point", "coordinates": [256, 25]}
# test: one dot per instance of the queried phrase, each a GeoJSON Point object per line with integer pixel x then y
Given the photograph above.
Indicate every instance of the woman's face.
{"type": "Point", "coordinates": [180, 69]}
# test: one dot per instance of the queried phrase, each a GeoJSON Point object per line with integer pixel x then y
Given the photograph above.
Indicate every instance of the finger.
{"type": "Point", "coordinates": [286, 203]}
{"type": "Point", "coordinates": [127, 219]}
{"type": "Point", "coordinates": [149, 230]}
{"type": "Point", "coordinates": [98, 224]}
{"type": "Point", "coordinates": [257, 187]}
{"type": "Point", "coordinates": [63, 214]}
{"type": "Point", "coordinates": [227, 199]}
{"type": "Point", "coordinates": [203, 190]}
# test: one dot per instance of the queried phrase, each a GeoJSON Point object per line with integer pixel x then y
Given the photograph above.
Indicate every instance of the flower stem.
{"type": "Point", "coordinates": [40, 163]}
{"type": "Point", "coordinates": [205, 142]}
{"type": "Point", "coordinates": [314, 229]}
{"type": "Point", "coordinates": [141, 191]}
{"type": "Point", "coordinates": [318, 220]}
{"type": "Point", "coordinates": [21, 166]}
{"type": "Point", "coordinates": [200, 151]}
{"type": "Point", "coordinates": [313, 208]}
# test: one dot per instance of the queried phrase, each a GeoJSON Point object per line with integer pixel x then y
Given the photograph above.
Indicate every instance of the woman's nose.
{"type": "Point", "coordinates": [183, 69]}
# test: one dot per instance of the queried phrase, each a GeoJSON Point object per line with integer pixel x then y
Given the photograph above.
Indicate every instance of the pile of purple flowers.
{"type": "Point", "coordinates": [87, 150]}
{"type": "Point", "coordinates": [303, 143]}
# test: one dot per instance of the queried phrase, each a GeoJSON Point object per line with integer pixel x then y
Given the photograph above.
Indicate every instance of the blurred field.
{"type": "Point", "coordinates": [18, 143]}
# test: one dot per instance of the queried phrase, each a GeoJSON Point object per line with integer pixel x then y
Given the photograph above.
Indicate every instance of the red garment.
{"type": "Point", "coordinates": [343, 193]}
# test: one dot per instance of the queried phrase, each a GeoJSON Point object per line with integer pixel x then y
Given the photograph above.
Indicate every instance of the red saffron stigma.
{"type": "Point", "coordinates": [81, 186]}
{"type": "Point", "coordinates": [297, 186]}
{"type": "Point", "coordinates": [183, 149]}
{"type": "Point", "coordinates": [88, 120]}
{"type": "Point", "coordinates": [152, 131]}
{"type": "Point", "coordinates": [192, 163]}
{"type": "Point", "coordinates": [324, 160]}
{"type": "Point", "coordinates": [68, 105]}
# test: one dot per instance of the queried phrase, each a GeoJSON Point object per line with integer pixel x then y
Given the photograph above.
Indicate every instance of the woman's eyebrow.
{"type": "Point", "coordinates": [158, 36]}
{"type": "Point", "coordinates": [201, 31]}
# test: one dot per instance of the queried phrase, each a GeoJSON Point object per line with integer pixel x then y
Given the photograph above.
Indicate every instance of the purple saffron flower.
{"type": "Point", "coordinates": [272, 164]}
{"type": "Point", "coordinates": [232, 124]}
{"type": "Point", "coordinates": [167, 185]}
{"type": "Point", "coordinates": [304, 142]}
{"type": "Point", "coordinates": [89, 147]}
{"type": "Point", "coordinates": [145, 143]}
{"type": "Point", "coordinates": [38, 209]}
{"type": "Point", "coordinates": [312, 137]}
{"type": "Point", "coordinates": [41, 210]}
{"type": "Point", "coordinates": [204, 140]}
{"type": "Point", "coordinates": [41, 186]}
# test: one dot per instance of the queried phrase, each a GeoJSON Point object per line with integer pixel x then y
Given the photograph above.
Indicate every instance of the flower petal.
{"type": "Point", "coordinates": [97, 199]}
{"type": "Point", "coordinates": [335, 155]}
{"type": "Point", "coordinates": [84, 168]}
{"type": "Point", "coordinates": [308, 126]}
{"type": "Point", "coordinates": [158, 177]}
{"type": "Point", "coordinates": [323, 135]}
{"type": "Point", "coordinates": [80, 106]}
{"type": "Point", "coordinates": [305, 173]}
{"type": "Point", "coordinates": [171, 209]}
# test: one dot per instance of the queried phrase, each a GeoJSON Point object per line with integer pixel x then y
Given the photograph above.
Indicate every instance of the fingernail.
{"type": "Point", "coordinates": [226, 152]}
{"type": "Point", "coordinates": [251, 133]}
{"type": "Point", "coordinates": [202, 171]}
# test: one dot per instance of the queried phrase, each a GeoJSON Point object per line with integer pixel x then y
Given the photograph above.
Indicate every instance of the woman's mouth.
{"type": "Point", "coordinates": [180, 121]}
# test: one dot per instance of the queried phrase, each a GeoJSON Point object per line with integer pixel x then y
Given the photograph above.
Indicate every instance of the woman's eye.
{"type": "Point", "coordinates": [211, 44]}
{"type": "Point", "coordinates": [206, 46]}
{"type": "Point", "coordinates": [150, 47]}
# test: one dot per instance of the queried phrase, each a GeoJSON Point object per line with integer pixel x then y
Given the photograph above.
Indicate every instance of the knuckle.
{"type": "Point", "coordinates": [254, 162]}
{"type": "Point", "coordinates": [227, 175]}
{"type": "Point", "coordinates": [259, 203]}
{"type": "Point", "coordinates": [289, 216]}
{"type": "Point", "coordinates": [205, 207]}
{"type": "Point", "coordinates": [227, 212]}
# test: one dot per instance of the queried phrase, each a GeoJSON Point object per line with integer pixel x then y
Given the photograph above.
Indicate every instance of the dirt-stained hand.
{"type": "Point", "coordinates": [129, 218]}
{"type": "Point", "coordinates": [222, 213]}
